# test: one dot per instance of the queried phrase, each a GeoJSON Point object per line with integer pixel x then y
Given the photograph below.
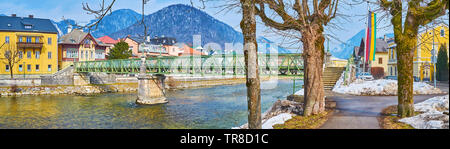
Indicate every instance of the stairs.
{"type": "Point", "coordinates": [330, 76]}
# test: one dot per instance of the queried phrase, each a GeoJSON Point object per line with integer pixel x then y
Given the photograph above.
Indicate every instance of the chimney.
{"type": "Point", "coordinates": [30, 16]}
{"type": "Point", "coordinates": [147, 39]}
{"type": "Point", "coordinates": [69, 29]}
{"type": "Point", "coordinates": [13, 15]}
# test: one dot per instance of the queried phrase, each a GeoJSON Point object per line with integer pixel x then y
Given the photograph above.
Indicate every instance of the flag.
{"type": "Point", "coordinates": [368, 36]}
{"type": "Point", "coordinates": [371, 35]}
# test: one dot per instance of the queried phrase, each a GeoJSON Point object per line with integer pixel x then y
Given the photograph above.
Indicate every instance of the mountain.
{"type": "Point", "coordinates": [2, 15]}
{"type": "Point", "coordinates": [117, 20]}
{"type": "Point", "coordinates": [344, 50]}
{"type": "Point", "coordinates": [182, 22]}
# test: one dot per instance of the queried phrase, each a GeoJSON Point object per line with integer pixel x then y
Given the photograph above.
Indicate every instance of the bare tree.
{"type": "Point", "coordinates": [309, 22]}
{"type": "Point", "coordinates": [11, 57]}
{"type": "Point", "coordinates": [418, 13]}
{"type": "Point", "coordinates": [248, 26]}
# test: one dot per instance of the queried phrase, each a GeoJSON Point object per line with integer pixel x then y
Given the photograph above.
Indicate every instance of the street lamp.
{"type": "Point", "coordinates": [201, 58]}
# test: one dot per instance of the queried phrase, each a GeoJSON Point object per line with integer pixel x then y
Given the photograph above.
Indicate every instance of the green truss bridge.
{"type": "Point", "coordinates": [233, 64]}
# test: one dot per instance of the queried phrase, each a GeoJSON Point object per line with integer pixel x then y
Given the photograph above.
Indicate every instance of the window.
{"type": "Point", "coordinates": [49, 68]}
{"type": "Point", "coordinates": [390, 71]}
{"type": "Point", "coordinates": [20, 39]}
{"type": "Point", "coordinates": [38, 54]}
{"type": "Point", "coordinates": [72, 53]}
{"type": "Point", "coordinates": [28, 26]}
{"type": "Point", "coordinates": [49, 41]}
{"type": "Point", "coordinates": [442, 33]}
{"type": "Point", "coordinates": [396, 70]}
{"type": "Point", "coordinates": [37, 67]}
{"type": "Point", "coordinates": [20, 68]}
{"type": "Point", "coordinates": [28, 39]}
{"type": "Point", "coordinates": [92, 54]}
{"type": "Point", "coordinates": [37, 39]}
{"type": "Point", "coordinates": [29, 54]}
{"type": "Point", "coordinates": [130, 48]}
{"type": "Point", "coordinates": [87, 52]}
{"type": "Point", "coordinates": [7, 68]}
{"type": "Point", "coordinates": [100, 54]}
{"type": "Point", "coordinates": [82, 54]}
{"type": "Point", "coordinates": [28, 67]}
{"type": "Point", "coordinates": [7, 39]}
{"type": "Point", "coordinates": [380, 60]}
{"type": "Point", "coordinates": [49, 55]}
{"type": "Point", "coordinates": [20, 54]}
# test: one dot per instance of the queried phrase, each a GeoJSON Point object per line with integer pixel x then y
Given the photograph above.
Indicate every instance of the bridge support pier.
{"type": "Point", "coordinates": [149, 92]}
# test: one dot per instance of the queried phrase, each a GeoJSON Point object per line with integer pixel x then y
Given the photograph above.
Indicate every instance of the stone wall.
{"type": "Point", "coordinates": [20, 82]}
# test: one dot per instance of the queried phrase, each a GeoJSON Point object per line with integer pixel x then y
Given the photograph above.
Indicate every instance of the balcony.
{"type": "Point", "coordinates": [30, 44]}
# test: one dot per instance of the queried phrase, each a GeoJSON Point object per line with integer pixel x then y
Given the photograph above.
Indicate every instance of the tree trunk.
{"type": "Point", "coordinates": [313, 54]}
{"type": "Point", "coordinates": [405, 53]}
{"type": "Point", "coordinates": [248, 26]}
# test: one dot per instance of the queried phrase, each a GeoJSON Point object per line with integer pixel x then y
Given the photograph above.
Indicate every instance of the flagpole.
{"type": "Point", "coordinates": [367, 30]}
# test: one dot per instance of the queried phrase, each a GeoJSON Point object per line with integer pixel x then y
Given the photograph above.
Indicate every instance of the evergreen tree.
{"type": "Point", "coordinates": [442, 64]}
{"type": "Point", "coordinates": [120, 51]}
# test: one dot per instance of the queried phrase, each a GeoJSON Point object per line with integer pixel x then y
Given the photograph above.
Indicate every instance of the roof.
{"type": "Point", "coordinates": [107, 40]}
{"type": "Point", "coordinates": [186, 50]}
{"type": "Point", "coordinates": [136, 39]}
{"type": "Point", "coordinates": [74, 37]}
{"type": "Point", "coordinates": [382, 45]}
{"type": "Point", "coordinates": [18, 24]}
{"type": "Point", "coordinates": [431, 27]}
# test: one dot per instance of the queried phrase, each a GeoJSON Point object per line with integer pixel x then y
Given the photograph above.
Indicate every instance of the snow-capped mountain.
{"type": "Point", "coordinates": [182, 22]}
{"type": "Point", "coordinates": [344, 50]}
{"type": "Point", "coordinates": [117, 20]}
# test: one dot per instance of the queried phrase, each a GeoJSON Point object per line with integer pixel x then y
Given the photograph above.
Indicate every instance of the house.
{"type": "Point", "coordinates": [152, 47]}
{"type": "Point", "coordinates": [79, 46]}
{"type": "Point", "coordinates": [392, 62]}
{"type": "Point", "coordinates": [108, 41]}
{"type": "Point", "coordinates": [35, 41]}
{"type": "Point", "coordinates": [381, 55]}
{"type": "Point", "coordinates": [423, 68]}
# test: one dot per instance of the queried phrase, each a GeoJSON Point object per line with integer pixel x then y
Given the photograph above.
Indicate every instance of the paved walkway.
{"type": "Point", "coordinates": [360, 112]}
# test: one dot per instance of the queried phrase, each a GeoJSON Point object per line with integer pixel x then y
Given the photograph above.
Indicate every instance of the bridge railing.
{"type": "Point", "coordinates": [285, 64]}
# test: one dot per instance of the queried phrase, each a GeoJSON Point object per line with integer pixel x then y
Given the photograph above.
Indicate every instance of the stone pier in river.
{"type": "Point", "coordinates": [150, 87]}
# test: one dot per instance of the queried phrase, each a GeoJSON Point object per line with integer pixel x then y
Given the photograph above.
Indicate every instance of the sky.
{"type": "Point", "coordinates": [57, 9]}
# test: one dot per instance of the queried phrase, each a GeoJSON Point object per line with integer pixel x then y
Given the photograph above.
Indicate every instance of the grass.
{"type": "Point", "coordinates": [308, 122]}
{"type": "Point", "coordinates": [389, 119]}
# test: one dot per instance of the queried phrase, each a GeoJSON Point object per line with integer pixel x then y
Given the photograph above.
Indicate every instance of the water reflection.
{"type": "Point", "coordinates": [215, 107]}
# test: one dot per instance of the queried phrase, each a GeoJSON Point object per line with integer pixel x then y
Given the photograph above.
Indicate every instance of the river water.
{"type": "Point", "coordinates": [209, 108]}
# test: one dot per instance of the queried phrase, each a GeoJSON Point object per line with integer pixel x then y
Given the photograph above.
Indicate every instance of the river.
{"type": "Point", "coordinates": [201, 108]}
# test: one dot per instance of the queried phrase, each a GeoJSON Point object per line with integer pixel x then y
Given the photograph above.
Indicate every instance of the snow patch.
{"type": "Point", "coordinates": [434, 116]}
{"type": "Point", "coordinates": [381, 87]}
{"type": "Point", "coordinates": [279, 119]}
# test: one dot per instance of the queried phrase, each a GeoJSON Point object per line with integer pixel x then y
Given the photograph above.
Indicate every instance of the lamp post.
{"type": "Point", "coordinates": [201, 58]}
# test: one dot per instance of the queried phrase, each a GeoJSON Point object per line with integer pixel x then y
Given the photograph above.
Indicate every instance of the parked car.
{"type": "Point", "coordinates": [391, 77]}
{"type": "Point", "coordinates": [364, 76]}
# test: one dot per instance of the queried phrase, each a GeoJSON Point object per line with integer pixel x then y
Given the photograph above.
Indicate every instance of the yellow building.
{"type": "Point", "coordinates": [423, 67]}
{"type": "Point", "coordinates": [392, 63]}
{"type": "Point", "coordinates": [337, 62]}
{"type": "Point", "coordinates": [32, 43]}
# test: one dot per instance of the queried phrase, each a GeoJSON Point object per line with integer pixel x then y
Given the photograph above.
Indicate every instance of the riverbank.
{"type": "Point", "coordinates": [171, 83]}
